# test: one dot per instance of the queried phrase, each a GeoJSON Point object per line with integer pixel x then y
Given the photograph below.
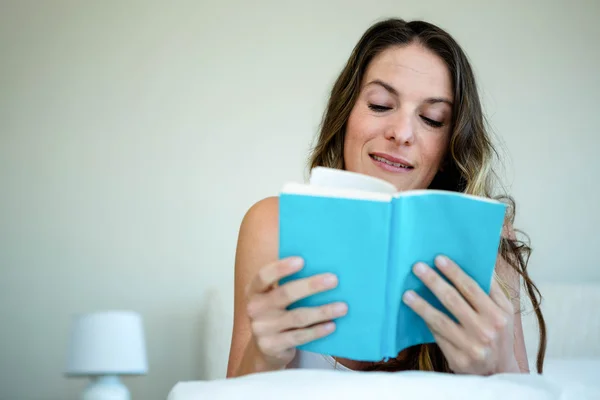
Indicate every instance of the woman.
{"type": "Point", "coordinates": [406, 109]}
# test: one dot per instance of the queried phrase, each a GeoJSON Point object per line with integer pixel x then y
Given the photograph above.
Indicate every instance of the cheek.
{"type": "Point", "coordinates": [355, 126]}
{"type": "Point", "coordinates": [361, 127]}
{"type": "Point", "coordinates": [358, 132]}
{"type": "Point", "coordinates": [434, 152]}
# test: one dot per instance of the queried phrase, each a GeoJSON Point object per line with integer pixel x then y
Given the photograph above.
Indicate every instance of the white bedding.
{"type": "Point", "coordinates": [571, 371]}
{"type": "Point", "coordinates": [331, 385]}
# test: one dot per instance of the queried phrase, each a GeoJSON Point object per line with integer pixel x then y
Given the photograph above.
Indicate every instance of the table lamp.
{"type": "Point", "coordinates": [103, 346]}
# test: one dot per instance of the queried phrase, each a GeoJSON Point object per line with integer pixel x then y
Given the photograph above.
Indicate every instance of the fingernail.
{"type": "Point", "coordinates": [329, 326]}
{"type": "Point", "coordinates": [340, 308]}
{"type": "Point", "coordinates": [329, 280]}
{"type": "Point", "coordinates": [420, 268]}
{"type": "Point", "coordinates": [409, 296]}
{"type": "Point", "coordinates": [441, 261]}
{"type": "Point", "coordinates": [296, 262]}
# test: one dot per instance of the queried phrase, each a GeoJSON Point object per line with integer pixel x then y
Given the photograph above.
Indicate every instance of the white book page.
{"type": "Point", "coordinates": [430, 192]}
{"type": "Point", "coordinates": [322, 191]}
{"type": "Point", "coordinates": [336, 178]}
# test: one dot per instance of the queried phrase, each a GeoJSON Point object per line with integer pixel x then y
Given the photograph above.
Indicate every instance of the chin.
{"type": "Point", "coordinates": [400, 183]}
{"type": "Point", "coordinates": [400, 180]}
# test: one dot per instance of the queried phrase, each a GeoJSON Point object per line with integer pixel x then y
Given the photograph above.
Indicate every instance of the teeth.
{"type": "Point", "coordinates": [383, 160]}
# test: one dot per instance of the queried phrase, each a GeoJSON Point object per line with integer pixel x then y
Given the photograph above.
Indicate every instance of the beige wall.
{"type": "Point", "coordinates": [134, 135]}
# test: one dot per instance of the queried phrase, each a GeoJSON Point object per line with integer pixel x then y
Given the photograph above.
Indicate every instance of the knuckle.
{"type": "Point", "coordinates": [477, 353]}
{"type": "Point", "coordinates": [469, 288]}
{"type": "Point", "coordinates": [487, 335]}
{"type": "Point", "coordinates": [460, 363]}
{"type": "Point", "coordinates": [263, 276]}
{"type": "Point", "coordinates": [251, 308]}
{"type": "Point", "coordinates": [501, 322]}
{"type": "Point", "coordinates": [298, 317]}
{"type": "Point", "coordinates": [257, 327]}
{"type": "Point", "coordinates": [282, 295]}
{"type": "Point", "coordinates": [265, 344]}
{"type": "Point", "coordinates": [315, 283]}
{"type": "Point", "coordinates": [441, 322]}
{"type": "Point", "coordinates": [465, 362]}
{"type": "Point", "coordinates": [299, 336]}
{"type": "Point", "coordinates": [281, 269]}
{"type": "Point", "coordinates": [451, 299]}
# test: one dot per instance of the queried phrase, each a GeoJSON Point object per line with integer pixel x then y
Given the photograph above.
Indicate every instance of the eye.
{"type": "Point", "coordinates": [431, 122]}
{"type": "Point", "coordinates": [379, 108]}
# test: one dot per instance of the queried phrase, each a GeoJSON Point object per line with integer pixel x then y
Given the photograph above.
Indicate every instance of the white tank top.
{"type": "Point", "coordinates": [308, 360]}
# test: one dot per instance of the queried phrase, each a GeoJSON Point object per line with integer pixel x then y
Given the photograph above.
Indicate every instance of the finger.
{"type": "Point", "coordinates": [442, 326]}
{"type": "Point", "coordinates": [437, 321]}
{"type": "Point", "coordinates": [291, 292]}
{"type": "Point", "coordinates": [449, 297]}
{"type": "Point", "coordinates": [261, 306]}
{"type": "Point", "coordinates": [504, 315]}
{"type": "Point", "coordinates": [453, 355]}
{"type": "Point", "coordinates": [469, 289]}
{"type": "Point", "coordinates": [278, 343]}
{"type": "Point", "coordinates": [281, 297]}
{"type": "Point", "coordinates": [303, 317]}
{"type": "Point", "coordinates": [298, 318]}
{"type": "Point", "coordinates": [272, 273]}
{"type": "Point", "coordinates": [455, 303]}
{"type": "Point", "coordinates": [492, 308]}
{"type": "Point", "coordinates": [460, 361]}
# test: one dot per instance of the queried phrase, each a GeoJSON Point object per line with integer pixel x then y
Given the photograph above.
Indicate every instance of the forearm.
{"type": "Point", "coordinates": [514, 368]}
{"type": "Point", "coordinates": [522, 367]}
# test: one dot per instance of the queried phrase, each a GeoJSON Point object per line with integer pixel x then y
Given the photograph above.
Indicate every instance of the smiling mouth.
{"type": "Point", "coordinates": [391, 163]}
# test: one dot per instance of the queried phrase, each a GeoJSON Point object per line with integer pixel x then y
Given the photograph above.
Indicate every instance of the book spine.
{"type": "Point", "coordinates": [390, 322]}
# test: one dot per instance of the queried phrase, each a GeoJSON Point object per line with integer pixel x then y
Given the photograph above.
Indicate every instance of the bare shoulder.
{"type": "Point", "coordinates": [511, 277]}
{"type": "Point", "coordinates": [508, 231]}
{"type": "Point", "coordinates": [505, 268]}
{"type": "Point", "coordinates": [257, 246]}
{"type": "Point", "coordinates": [259, 232]}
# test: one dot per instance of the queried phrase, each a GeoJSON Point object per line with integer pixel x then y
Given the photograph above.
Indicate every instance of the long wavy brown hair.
{"type": "Point", "coordinates": [467, 168]}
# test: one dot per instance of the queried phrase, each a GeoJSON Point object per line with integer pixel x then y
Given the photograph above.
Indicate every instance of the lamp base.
{"type": "Point", "coordinates": [107, 387]}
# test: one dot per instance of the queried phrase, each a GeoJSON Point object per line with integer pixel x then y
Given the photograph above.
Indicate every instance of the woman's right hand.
{"type": "Point", "coordinates": [276, 330]}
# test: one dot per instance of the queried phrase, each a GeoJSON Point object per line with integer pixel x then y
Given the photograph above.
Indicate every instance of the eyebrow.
{"type": "Point", "coordinates": [392, 90]}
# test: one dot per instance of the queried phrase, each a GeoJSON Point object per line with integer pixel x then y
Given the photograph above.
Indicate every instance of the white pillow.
{"type": "Point", "coordinates": [561, 371]}
{"type": "Point", "coordinates": [336, 385]}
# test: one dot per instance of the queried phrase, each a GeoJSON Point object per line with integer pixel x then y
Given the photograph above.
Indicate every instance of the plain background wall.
{"type": "Point", "coordinates": [134, 136]}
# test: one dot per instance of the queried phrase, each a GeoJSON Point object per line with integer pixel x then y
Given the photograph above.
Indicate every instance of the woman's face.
{"type": "Point", "coordinates": [399, 128]}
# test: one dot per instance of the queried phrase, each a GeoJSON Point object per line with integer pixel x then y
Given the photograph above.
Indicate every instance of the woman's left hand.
{"type": "Point", "coordinates": [482, 341]}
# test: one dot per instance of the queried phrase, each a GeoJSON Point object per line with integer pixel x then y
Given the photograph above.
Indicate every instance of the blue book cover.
{"type": "Point", "coordinates": [360, 229]}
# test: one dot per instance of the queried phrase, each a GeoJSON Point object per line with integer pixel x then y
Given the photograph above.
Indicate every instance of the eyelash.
{"type": "Point", "coordinates": [378, 108]}
{"type": "Point", "coordinates": [428, 121]}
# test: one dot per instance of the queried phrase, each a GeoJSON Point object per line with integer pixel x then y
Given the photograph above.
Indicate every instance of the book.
{"type": "Point", "coordinates": [363, 230]}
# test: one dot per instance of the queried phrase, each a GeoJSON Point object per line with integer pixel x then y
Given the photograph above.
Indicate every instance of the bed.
{"type": "Point", "coordinates": [572, 368]}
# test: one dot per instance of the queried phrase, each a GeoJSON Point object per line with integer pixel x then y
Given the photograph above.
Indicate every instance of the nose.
{"type": "Point", "coordinates": [400, 130]}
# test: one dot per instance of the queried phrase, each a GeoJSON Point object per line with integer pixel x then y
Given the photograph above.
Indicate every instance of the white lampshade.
{"type": "Point", "coordinates": [106, 343]}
